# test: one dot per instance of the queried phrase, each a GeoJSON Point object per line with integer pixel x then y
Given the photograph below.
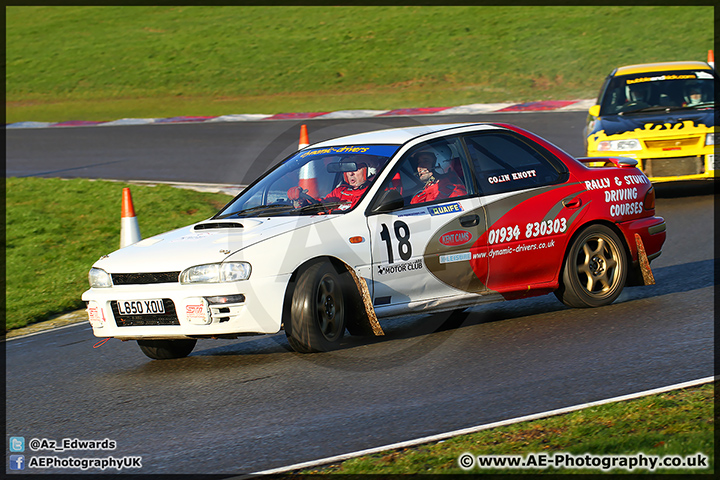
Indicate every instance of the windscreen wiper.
{"type": "Point", "coordinates": [314, 207]}
{"type": "Point", "coordinates": [259, 209]}
{"type": "Point", "coordinates": [647, 109]}
{"type": "Point", "coordinates": [670, 108]}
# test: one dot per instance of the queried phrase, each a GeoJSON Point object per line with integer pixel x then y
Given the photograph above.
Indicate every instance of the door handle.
{"type": "Point", "coordinates": [469, 220]}
{"type": "Point", "coordinates": [572, 203]}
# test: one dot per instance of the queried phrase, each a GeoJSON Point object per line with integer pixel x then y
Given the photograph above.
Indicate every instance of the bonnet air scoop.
{"type": "Point", "coordinates": [215, 225]}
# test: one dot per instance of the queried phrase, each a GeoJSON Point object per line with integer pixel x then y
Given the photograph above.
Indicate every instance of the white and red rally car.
{"type": "Point", "coordinates": [365, 227]}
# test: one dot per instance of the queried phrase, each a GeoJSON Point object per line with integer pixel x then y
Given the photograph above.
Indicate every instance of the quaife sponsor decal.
{"type": "Point", "coordinates": [456, 237]}
{"type": "Point", "coordinates": [443, 209]}
{"type": "Point", "coordinates": [400, 267]}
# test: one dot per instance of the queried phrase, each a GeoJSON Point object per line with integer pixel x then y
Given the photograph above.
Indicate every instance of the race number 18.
{"type": "Point", "coordinates": [402, 234]}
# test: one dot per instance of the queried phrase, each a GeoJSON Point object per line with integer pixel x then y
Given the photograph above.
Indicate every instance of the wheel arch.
{"type": "Point", "coordinates": [607, 223]}
{"type": "Point", "coordinates": [362, 320]}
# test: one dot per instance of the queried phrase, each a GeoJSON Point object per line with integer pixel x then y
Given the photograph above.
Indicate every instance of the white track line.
{"type": "Point", "coordinates": [464, 431]}
{"type": "Point", "coordinates": [48, 330]}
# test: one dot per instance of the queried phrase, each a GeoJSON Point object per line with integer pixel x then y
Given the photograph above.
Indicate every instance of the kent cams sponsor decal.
{"type": "Point", "coordinates": [455, 238]}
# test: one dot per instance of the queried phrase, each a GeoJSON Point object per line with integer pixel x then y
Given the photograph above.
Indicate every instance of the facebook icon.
{"type": "Point", "coordinates": [17, 462]}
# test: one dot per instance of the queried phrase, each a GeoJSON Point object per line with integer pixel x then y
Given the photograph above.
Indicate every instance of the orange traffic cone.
{"type": "Point", "coordinates": [129, 228]}
{"type": "Point", "coordinates": [308, 178]}
{"type": "Point", "coordinates": [711, 58]}
{"type": "Point", "coordinates": [304, 142]}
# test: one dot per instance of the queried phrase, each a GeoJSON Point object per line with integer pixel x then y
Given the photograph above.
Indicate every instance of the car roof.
{"type": "Point", "coordinates": [661, 67]}
{"type": "Point", "coordinates": [396, 136]}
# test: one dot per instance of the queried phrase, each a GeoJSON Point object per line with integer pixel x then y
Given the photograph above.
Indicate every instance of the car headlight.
{"type": "Point", "coordinates": [710, 139]}
{"type": "Point", "coordinates": [626, 145]}
{"type": "Point", "coordinates": [99, 278]}
{"type": "Point", "coordinates": [216, 273]}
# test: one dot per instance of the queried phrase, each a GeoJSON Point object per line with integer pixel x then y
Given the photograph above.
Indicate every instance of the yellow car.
{"type": "Point", "coordinates": [662, 115]}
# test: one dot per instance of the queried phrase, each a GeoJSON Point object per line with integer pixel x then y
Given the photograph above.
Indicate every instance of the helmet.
{"type": "Point", "coordinates": [693, 93]}
{"type": "Point", "coordinates": [637, 92]}
{"type": "Point", "coordinates": [425, 158]}
{"type": "Point", "coordinates": [365, 164]}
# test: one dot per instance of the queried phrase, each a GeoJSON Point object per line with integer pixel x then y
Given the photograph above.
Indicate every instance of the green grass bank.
{"type": "Point", "coordinates": [56, 229]}
{"type": "Point", "coordinates": [676, 423]}
{"type": "Point", "coordinates": [104, 63]}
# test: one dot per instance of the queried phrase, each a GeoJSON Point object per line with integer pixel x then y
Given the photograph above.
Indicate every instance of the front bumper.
{"type": "Point", "coordinates": [191, 311]}
{"type": "Point", "coordinates": [659, 167]}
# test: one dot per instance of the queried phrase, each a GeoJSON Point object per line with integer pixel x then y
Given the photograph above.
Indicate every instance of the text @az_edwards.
{"type": "Point", "coordinates": [19, 461]}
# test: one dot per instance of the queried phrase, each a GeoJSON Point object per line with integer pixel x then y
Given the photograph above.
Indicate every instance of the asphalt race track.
{"type": "Point", "coordinates": [234, 152]}
{"type": "Point", "coordinates": [246, 405]}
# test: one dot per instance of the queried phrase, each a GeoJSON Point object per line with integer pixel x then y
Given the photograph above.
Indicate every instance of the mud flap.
{"type": "Point", "coordinates": [367, 302]}
{"type": "Point", "coordinates": [647, 275]}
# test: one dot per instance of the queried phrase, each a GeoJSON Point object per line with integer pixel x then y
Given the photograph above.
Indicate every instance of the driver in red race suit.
{"type": "Point", "coordinates": [348, 192]}
{"type": "Point", "coordinates": [434, 188]}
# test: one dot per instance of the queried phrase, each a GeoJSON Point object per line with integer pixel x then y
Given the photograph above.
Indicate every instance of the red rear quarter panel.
{"type": "Point", "coordinates": [613, 195]}
{"type": "Point", "coordinates": [618, 196]}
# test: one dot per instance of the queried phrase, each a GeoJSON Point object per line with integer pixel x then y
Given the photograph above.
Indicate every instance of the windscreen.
{"type": "Point", "coordinates": [649, 92]}
{"type": "Point", "coordinates": [313, 181]}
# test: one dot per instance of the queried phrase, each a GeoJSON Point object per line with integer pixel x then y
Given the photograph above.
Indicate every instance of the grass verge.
{"type": "Point", "coordinates": [56, 229]}
{"type": "Point", "coordinates": [676, 423]}
{"type": "Point", "coordinates": [109, 62]}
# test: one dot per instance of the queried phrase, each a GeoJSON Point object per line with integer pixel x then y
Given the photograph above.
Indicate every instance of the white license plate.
{"type": "Point", "coordinates": [141, 307]}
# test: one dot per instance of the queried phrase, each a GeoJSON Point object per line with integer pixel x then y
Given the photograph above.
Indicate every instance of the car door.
{"type": "Point", "coordinates": [525, 191]}
{"type": "Point", "coordinates": [424, 251]}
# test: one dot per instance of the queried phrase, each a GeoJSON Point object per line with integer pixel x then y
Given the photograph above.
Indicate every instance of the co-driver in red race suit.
{"type": "Point", "coordinates": [434, 188]}
{"type": "Point", "coordinates": [349, 192]}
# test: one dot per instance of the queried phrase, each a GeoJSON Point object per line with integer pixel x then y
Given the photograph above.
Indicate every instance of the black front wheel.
{"type": "Point", "coordinates": [317, 311]}
{"type": "Point", "coordinates": [167, 349]}
{"type": "Point", "coordinates": [595, 270]}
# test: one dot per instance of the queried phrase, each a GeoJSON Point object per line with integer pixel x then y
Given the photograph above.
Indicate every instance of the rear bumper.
{"type": "Point", "coordinates": [652, 231]}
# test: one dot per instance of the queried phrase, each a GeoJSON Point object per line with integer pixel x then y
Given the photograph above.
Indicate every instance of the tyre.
{"type": "Point", "coordinates": [317, 310]}
{"type": "Point", "coordinates": [167, 349]}
{"type": "Point", "coordinates": [595, 270]}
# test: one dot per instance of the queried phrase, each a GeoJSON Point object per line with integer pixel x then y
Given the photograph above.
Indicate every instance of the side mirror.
{"type": "Point", "coordinates": [595, 110]}
{"type": "Point", "coordinates": [388, 201]}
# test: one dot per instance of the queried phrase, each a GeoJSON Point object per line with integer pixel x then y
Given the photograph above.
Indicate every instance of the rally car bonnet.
{"type": "Point", "coordinates": [205, 242]}
{"type": "Point", "coordinates": [681, 122]}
